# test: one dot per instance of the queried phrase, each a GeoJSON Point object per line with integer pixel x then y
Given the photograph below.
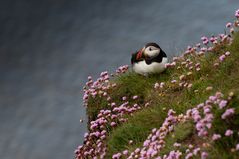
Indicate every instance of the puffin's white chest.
{"type": "Point", "coordinates": [155, 67]}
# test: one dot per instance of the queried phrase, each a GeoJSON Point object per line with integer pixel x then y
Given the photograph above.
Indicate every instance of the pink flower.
{"type": "Point", "coordinates": [228, 25]}
{"type": "Point", "coordinates": [135, 97]}
{"type": "Point", "coordinates": [113, 124]}
{"type": "Point", "coordinates": [237, 147]}
{"type": "Point", "coordinates": [228, 132]}
{"type": "Point", "coordinates": [162, 84]}
{"type": "Point", "coordinates": [222, 104]}
{"type": "Point", "coordinates": [222, 57]}
{"type": "Point", "coordinates": [156, 85]}
{"type": "Point", "coordinates": [203, 38]}
{"type": "Point", "coordinates": [116, 156]}
{"type": "Point", "coordinates": [216, 137]}
{"type": "Point", "coordinates": [227, 53]}
{"type": "Point", "coordinates": [125, 152]}
{"type": "Point", "coordinates": [124, 98]}
{"type": "Point", "coordinates": [205, 42]}
{"type": "Point", "coordinates": [189, 155]}
{"type": "Point", "coordinates": [204, 155]}
{"type": "Point", "coordinates": [237, 13]}
{"type": "Point", "coordinates": [130, 142]}
{"type": "Point", "coordinates": [198, 45]}
{"type": "Point", "coordinates": [196, 150]}
{"type": "Point", "coordinates": [176, 144]}
{"type": "Point", "coordinates": [113, 104]}
{"type": "Point", "coordinates": [228, 113]}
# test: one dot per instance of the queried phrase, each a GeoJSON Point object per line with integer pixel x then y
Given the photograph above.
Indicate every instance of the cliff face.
{"type": "Point", "coordinates": [190, 110]}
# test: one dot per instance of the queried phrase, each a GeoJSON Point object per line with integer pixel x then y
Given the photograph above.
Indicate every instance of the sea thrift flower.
{"type": "Point", "coordinates": [190, 85]}
{"type": "Point", "coordinates": [162, 84]}
{"type": "Point", "coordinates": [173, 81]}
{"type": "Point", "coordinates": [156, 85]}
{"type": "Point", "coordinates": [228, 25]}
{"type": "Point", "coordinates": [222, 104]}
{"type": "Point", "coordinates": [130, 142]}
{"type": "Point", "coordinates": [189, 155]}
{"type": "Point", "coordinates": [113, 124]}
{"type": "Point", "coordinates": [205, 40]}
{"type": "Point", "coordinates": [176, 144]}
{"type": "Point", "coordinates": [237, 13]}
{"type": "Point", "coordinates": [222, 57]}
{"type": "Point", "coordinates": [135, 97]}
{"type": "Point", "coordinates": [196, 150]}
{"type": "Point", "coordinates": [204, 155]}
{"type": "Point", "coordinates": [182, 77]}
{"type": "Point", "coordinates": [227, 53]}
{"type": "Point", "coordinates": [228, 113]}
{"type": "Point", "coordinates": [124, 98]}
{"type": "Point", "coordinates": [198, 45]}
{"type": "Point", "coordinates": [237, 147]}
{"type": "Point", "coordinates": [116, 156]}
{"type": "Point", "coordinates": [228, 132]}
{"type": "Point", "coordinates": [216, 137]}
{"type": "Point", "coordinates": [125, 152]}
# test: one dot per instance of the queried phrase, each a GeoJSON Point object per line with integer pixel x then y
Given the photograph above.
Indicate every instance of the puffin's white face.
{"type": "Point", "coordinates": [151, 51]}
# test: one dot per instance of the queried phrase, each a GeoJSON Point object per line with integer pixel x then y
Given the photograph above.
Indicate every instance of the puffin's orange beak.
{"type": "Point", "coordinates": [139, 55]}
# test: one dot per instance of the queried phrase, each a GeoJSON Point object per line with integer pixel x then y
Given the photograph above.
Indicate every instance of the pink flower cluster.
{"type": "Point", "coordinates": [101, 85]}
{"type": "Point", "coordinates": [203, 124]}
{"type": "Point", "coordinates": [202, 115]}
{"type": "Point", "coordinates": [122, 69]}
{"type": "Point", "coordinates": [170, 65]}
{"type": "Point", "coordinates": [155, 141]}
{"type": "Point", "coordinates": [223, 56]}
{"type": "Point", "coordinates": [94, 142]}
{"type": "Point", "coordinates": [157, 85]}
{"type": "Point", "coordinates": [229, 112]}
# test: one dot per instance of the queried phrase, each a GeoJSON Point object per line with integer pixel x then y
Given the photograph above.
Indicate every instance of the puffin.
{"type": "Point", "coordinates": [151, 59]}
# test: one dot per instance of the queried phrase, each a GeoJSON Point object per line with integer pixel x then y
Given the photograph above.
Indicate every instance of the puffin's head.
{"type": "Point", "coordinates": [151, 50]}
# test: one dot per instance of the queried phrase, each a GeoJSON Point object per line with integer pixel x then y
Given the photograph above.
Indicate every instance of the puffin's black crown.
{"type": "Point", "coordinates": [152, 44]}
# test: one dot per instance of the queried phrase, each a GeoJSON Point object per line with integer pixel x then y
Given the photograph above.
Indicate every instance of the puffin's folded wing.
{"type": "Point", "coordinates": [135, 59]}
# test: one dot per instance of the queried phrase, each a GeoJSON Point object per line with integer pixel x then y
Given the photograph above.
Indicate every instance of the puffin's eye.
{"type": "Point", "coordinates": [150, 49]}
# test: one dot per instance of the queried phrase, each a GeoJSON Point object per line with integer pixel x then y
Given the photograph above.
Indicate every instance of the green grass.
{"type": "Point", "coordinates": [225, 78]}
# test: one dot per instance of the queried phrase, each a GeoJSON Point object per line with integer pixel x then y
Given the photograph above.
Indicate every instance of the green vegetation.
{"type": "Point", "coordinates": [211, 78]}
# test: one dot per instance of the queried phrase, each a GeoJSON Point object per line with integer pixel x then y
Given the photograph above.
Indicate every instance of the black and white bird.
{"type": "Point", "coordinates": [151, 59]}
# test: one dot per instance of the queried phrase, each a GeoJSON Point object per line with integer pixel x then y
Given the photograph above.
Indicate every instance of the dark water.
{"type": "Point", "coordinates": [48, 48]}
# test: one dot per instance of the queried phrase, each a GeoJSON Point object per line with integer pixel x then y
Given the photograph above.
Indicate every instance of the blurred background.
{"type": "Point", "coordinates": [49, 47]}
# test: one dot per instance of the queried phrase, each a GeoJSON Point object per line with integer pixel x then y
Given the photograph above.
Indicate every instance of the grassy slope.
{"type": "Point", "coordinates": [225, 78]}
